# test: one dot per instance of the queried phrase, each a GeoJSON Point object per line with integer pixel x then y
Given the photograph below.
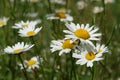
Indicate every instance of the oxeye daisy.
{"type": "Point", "coordinates": [81, 5]}
{"type": "Point", "coordinates": [101, 48]}
{"type": "Point", "coordinates": [33, 63]}
{"type": "Point", "coordinates": [18, 48]}
{"type": "Point", "coordinates": [97, 10]}
{"type": "Point", "coordinates": [29, 31]}
{"type": "Point", "coordinates": [3, 21]}
{"type": "Point", "coordinates": [109, 1]}
{"type": "Point", "coordinates": [87, 57]}
{"type": "Point", "coordinates": [62, 16]}
{"type": "Point", "coordinates": [64, 46]}
{"type": "Point", "coordinates": [58, 2]}
{"type": "Point", "coordinates": [84, 33]}
{"type": "Point", "coordinates": [23, 24]}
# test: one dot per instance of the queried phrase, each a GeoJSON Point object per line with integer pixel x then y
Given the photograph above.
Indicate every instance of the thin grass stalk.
{"type": "Point", "coordinates": [24, 71]}
{"type": "Point", "coordinates": [50, 9]}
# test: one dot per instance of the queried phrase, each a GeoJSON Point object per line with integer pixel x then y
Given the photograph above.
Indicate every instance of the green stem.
{"type": "Point", "coordinates": [92, 73]}
{"type": "Point", "coordinates": [71, 66]}
{"type": "Point", "coordinates": [50, 9]}
{"type": "Point", "coordinates": [24, 71]}
{"type": "Point", "coordinates": [35, 47]}
{"type": "Point", "coordinates": [108, 42]}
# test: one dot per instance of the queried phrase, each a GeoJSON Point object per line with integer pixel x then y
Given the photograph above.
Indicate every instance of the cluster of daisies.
{"type": "Point", "coordinates": [82, 4]}
{"type": "Point", "coordinates": [25, 29]}
{"type": "Point", "coordinates": [83, 42]}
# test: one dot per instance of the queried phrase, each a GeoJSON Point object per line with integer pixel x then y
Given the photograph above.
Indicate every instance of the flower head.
{"type": "Point", "coordinates": [84, 33]}
{"type": "Point", "coordinates": [18, 48]}
{"type": "Point", "coordinates": [87, 57]}
{"type": "Point", "coordinates": [33, 63]}
{"type": "Point", "coordinates": [3, 21]}
{"type": "Point", "coordinates": [64, 46]}
{"type": "Point", "coordinates": [81, 5]}
{"type": "Point", "coordinates": [109, 1]}
{"type": "Point", "coordinates": [23, 24]}
{"type": "Point", "coordinates": [101, 48]}
{"type": "Point", "coordinates": [58, 2]}
{"type": "Point", "coordinates": [97, 10]}
{"type": "Point", "coordinates": [29, 31]}
{"type": "Point", "coordinates": [60, 15]}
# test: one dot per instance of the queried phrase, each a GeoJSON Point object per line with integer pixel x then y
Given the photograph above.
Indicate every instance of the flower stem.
{"type": "Point", "coordinates": [50, 10]}
{"type": "Point", "coordinates": [24, 71]}
{"type": "Point", "coordinates": [92, 73]}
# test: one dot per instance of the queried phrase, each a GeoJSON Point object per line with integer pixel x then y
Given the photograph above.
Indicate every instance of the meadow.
{"type": "Point", "coordinates": [59, 40]}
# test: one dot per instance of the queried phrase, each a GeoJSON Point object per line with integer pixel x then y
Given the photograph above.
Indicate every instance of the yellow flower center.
{"type": "Point", "coordinates": [25, 25]}
{"type": "Point", "coordinates": [67, 44]}
{"type": "Point", "coordinates": [60, 15]}
{"type": "Point", "coordinates": [30, 33]}
{"type": "Point", "coordinates": [82, 33]}
{"type": "Point", "coordinates": [99, 50]}
{"type": "Point", "coordinates": [17, 50]}
{"type": "Point", "coordinates": [62, 10]}
{"type": "Point", "coordinates": [31, 62]}
{"type": "Point", "coordinates": [2, 23]}
{"type": "Point", "coordinates": [90, 56]}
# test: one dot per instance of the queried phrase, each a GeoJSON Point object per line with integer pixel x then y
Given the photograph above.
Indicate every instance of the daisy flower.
{"type": "Point", "coordinates": [3, 21]}
{"type": "Point", "coordinates": [23, 24]}
{"type": "Point", "coordinates": [58, 2]}
{"type": "Point", "coordinates": [62, 16]}
{"type": "Point", "coordinates": [82, 32]}
{"type": "Point", "coordinates": [64, 46]}
{"type": "Point", "coordinates": [87, 57]}
{"type": "Point", "coordinates": [109, 1]}
{"type": "Point", "coordinates": [18, 48]}
{"type": "Point", "coordinates": [32, 63]}
{"type": "Point", "coordinates": [97, 10]}
{"type": "Point", "coordinates": [81, 5]}
{"type": "Point", "coordinates": [101, 48]}
{"type": "Point", "coordinates": [29, 31]}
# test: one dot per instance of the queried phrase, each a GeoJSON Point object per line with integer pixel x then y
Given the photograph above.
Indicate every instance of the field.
{"type": "Point", "coordinates": [59, 40]}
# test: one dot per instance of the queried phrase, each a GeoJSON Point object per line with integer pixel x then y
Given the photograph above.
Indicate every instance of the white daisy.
{"type": "Point", "coordinates": [62, 16]}
{"type": "Point", "coordinates": [109, 1]}
{"type": "Point", "coordinates": [29, 31]}
{"type": "Point", "coordinates": [86, 57]}
{"type": "Point", "coordinates": [32, 63]}
{"type": "Point", "coordinates": [18, 48]}
{"type": "Point", "coordinates": [84, 33]}
{"type": "Point", "coordinates": [3, 21]}
{"type": "Point", "coordinates": [58, 2]}
{"type": "Point", "coordinates": [81, 5]}
{"type": "Point", "coordinates": [97, 10]}
{"type": "Point", "coordinates": [101, 48]}
{"type": "Point", "coordinates": [64, 46]}
{"type": "Point", "coordinates": [23, 24]}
